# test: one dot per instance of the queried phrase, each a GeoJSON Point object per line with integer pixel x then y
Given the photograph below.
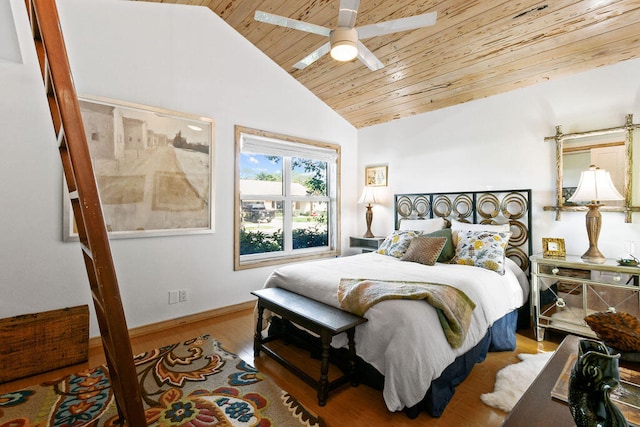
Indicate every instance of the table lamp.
{"type": "Point", "coordinates": [369, 198]}
{"type": "Point", "coordinates": [595, 185]}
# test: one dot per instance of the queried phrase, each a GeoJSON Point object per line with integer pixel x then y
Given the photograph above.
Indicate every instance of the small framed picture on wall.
{"type": "Point", "coordinates": [553, 248]}
{"type": "Point", "coordinates": [376, 176]}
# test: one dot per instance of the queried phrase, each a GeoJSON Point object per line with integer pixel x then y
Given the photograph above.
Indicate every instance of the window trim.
{"type": "Point", "coordinates": [283, 258]}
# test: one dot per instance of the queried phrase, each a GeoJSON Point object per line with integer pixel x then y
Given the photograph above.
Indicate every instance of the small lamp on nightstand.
{"type": "Point", "coordinates": [595, 185]}
{"type": "Point", "coordinates": [369, 198]}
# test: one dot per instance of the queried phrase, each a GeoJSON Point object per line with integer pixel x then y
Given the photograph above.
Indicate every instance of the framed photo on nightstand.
{"type": "Point", "coordinates": [553, 248]}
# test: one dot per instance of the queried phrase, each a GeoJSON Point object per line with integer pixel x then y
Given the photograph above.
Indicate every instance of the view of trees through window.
{"type": "Point", "coordinates": [284, 203]}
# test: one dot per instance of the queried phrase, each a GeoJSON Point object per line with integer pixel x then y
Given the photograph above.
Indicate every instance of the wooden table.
{"type": "Point", "coordinates": [536, 407]}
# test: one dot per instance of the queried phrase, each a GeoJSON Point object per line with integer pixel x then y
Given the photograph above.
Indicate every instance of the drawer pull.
{"type": "Point", "coordinates": [560, 303]}
{"type": "Point", "coordinates": [555, 270]}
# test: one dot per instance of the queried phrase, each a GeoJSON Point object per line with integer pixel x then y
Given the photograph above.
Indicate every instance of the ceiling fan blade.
{"type": "Point", "coordinates": [368, 58]}
{"type": "Point", "coordinates": [313, 56]}
{"type": "Point", "coordinates": [281, 21]}
{"type": "Point", "coordinates": [348, 13]}
{"type": "Point", "coordinates": [397, 25]}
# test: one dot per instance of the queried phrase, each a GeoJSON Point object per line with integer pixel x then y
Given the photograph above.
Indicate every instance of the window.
{"type": "Point", "coordinates": [286, 199]}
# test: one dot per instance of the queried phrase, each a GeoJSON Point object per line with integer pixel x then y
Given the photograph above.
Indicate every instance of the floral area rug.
{"type": "Point", "coordinates": [194, 383]}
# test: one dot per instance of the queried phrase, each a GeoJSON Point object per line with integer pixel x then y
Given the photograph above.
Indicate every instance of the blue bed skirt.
{"type": "Point", "coordinates": [500, 337]}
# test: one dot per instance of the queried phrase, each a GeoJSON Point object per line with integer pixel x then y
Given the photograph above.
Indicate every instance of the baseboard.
{"type": "Point", "coordinates": [172, 323]}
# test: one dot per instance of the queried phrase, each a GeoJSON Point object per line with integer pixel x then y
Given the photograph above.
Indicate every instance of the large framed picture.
{"type": "Point", "coordinates": [153, 167]}
{"type": "Point", "coordinates": [376, 176]}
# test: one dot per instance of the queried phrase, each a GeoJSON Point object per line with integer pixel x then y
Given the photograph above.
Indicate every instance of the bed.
{"type": "Point", "coordinates": [403, 349]}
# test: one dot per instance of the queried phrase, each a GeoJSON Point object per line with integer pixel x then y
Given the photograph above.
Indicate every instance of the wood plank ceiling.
{"type": "Point", "coordinates": [477, 48]}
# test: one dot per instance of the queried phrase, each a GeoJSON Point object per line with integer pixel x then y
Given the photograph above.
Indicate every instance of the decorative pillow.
{"type": "Point", "coordinates": [424, 225]}
{"type": "Point", "coordinates": [397, 243]}
{"type": "Point", "coordinates": [424, 250]}
{"type": "Point", "coordinates": [483, 249]}
{"type": "Point", "coordinates": [448, 251]}
{"type": "Point", "coordinates": [458, 226]}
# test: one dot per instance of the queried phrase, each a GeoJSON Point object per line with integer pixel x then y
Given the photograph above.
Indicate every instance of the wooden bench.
{"type": "Point", "coordinates": [317, 317]}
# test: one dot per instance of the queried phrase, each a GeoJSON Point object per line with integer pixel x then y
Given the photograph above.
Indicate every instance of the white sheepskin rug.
{"type": "Point", "coordinates": [513, 380]}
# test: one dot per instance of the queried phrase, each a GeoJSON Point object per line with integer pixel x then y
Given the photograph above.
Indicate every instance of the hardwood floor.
{"type": "Point", "coordinates": [355, 406]}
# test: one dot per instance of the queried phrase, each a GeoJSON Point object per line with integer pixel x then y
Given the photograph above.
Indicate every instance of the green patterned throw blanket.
{"type": "Point", "coordinates": [453, 306]}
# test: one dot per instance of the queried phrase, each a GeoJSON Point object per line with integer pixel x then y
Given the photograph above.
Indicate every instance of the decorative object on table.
{"type": "Point", "coordinates": [196, 382]}
{"type": "Point", "coordinates": [376, 176]}
{"type": "Point", "coordinates": [618, 330]}
{"type": "Point", "coordinates": [629, 262]}
{"type": "Point", "coordinates": [593, 376]}
{"type": "Point", "coordinates": [553, 248]}
{"type": "Point", "coordinates": [626, 396]}
{"type": "Point", "coordinates": [368, 197]}
{"type": "Point", "coordinates": [595, 186]}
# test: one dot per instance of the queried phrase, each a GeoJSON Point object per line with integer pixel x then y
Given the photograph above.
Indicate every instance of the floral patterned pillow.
{"type": "Point", "coordinates": [397, 243]}
{"type": "Point", "coordinates": [483, 249]}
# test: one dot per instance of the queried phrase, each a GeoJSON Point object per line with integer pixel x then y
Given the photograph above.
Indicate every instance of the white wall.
{"type": "Point", "coordinates": [187, 59]}
{"type": "Point", "coordinates": [498, 143]}
{"type": "Point", "coordinates": [182, 58]}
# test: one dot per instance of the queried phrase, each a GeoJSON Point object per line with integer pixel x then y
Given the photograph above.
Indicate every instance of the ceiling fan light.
{"type": "Point", "coordinates": [344, 44]}
{"type": "Point", "coordinates": [344, 51]}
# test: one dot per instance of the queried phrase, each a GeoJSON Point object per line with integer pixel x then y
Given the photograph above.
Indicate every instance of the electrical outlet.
{"type": "Point", "coordinates": [182, 295]}
{"type": "Point", "coordinates": [173, 297]}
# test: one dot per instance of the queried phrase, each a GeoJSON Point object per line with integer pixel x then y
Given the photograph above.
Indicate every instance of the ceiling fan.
{"type": "Point", "coordinates": [344, 41]}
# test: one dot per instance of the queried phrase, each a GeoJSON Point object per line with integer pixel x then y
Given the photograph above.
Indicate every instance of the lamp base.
{"type": "Point", "coordinates": [369, 218]}
{"type": "Point", "coordinates": [593, 222]}
{"type": "Point", "coordinates": [593, 256]}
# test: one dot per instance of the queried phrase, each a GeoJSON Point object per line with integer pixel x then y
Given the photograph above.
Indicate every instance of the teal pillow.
{"type": "Point", "coordinates": [448, 251]}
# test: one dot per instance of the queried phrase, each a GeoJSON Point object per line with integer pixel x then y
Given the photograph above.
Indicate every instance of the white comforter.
{"type": "Point", "coordinates": [403, 339]}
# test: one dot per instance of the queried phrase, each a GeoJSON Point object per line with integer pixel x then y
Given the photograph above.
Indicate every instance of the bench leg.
{"type": "Point", "coordinates": [285, 331]}
{"type": "Point", "coordinates": [323, 386]}
{"type": "Point", "coordinates": [257, 337]}
{"type": "Point", "coordinates": [352, 356]}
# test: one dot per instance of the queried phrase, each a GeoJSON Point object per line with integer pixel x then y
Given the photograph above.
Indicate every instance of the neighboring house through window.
{"type": "Point", "coordinates": [286, 199]}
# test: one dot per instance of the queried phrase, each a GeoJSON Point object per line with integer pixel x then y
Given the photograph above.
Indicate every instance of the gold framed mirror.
{"type": "Point", "coordinates": [610, 149]}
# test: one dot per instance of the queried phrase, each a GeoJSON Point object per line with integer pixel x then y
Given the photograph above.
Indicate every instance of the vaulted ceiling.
{"type": "Point", "coordinates": [477, 48]}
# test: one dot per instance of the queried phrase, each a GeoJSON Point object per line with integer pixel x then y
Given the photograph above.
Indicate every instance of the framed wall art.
{"type": "Point", "coordinates": [153, 167]}
{"type": "Point", "coordinates": [553, 248]}
{"type": "Point", "coordinates": [376, 176]}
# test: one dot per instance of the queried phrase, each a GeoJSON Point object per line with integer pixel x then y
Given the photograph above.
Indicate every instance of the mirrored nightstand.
{"type": "Point", "coordinates": [566, 290]}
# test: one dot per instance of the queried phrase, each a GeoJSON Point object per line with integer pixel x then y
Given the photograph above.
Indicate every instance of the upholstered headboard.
{"type": "Point", "coordinates": [476, 207]}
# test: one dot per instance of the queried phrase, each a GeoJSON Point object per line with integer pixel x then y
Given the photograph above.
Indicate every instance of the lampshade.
{"type": "Point", "coordinates": [368, 197]}
{"type": "Point", "coordinates": [595, 185]}
{"type": "Point", "coordinates": [344, 44]}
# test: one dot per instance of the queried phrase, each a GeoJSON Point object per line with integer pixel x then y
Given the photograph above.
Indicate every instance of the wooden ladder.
{"type": "Point", "coordinates": [87, 210]}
